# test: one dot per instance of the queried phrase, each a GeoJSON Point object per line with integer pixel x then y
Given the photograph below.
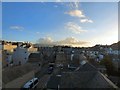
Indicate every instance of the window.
{"type": "Point", "coordinates": [31, 85]}
{"type": "Point", "coordinates": [19, 62]}
{"type": "Point", "coordinates": [36, 81]}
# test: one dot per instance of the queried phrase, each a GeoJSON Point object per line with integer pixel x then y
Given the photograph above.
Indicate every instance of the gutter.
{"type": "Point", "coordinates": [110, 82]}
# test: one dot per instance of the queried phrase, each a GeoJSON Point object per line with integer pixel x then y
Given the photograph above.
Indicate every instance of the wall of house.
{"type": "Point", "coordinates": [9, 47]}
{"type": "Point", "coordinates": [60, 58]}
{"type": "Point", "coordinates": [20, 55]}
{"type": "Point", "coordinates": [32, 50]}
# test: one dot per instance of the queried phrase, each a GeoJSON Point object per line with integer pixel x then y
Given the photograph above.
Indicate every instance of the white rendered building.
{"type": "Point", "coordinates": [20, 55]}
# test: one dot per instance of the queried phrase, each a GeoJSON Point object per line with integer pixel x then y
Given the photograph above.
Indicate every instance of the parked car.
{"type": "Point", "coordinates": [50, 70]}
{"type": "Point", "coordinates": [31, 84]}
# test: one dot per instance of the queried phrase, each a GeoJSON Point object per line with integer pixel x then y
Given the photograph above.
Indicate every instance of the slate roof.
{"type": "Point", "coordinates": [92, 79]}
{"type": "Point", "coordinates": [12, 73]}
{"type": "Point", "coordinates": [87, 76]}
{"type": "Point", "coordinates": [34, 57]}
{"type": "Point", "coordinates": [87, 67]}
{"type": "Point", "coordinates": [84, 80]}
{"type": "Point", "coordinates": [53, 82]}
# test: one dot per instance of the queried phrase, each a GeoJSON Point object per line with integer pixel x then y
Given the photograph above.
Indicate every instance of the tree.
{"type": "Point", "coordinates": [107, 61]}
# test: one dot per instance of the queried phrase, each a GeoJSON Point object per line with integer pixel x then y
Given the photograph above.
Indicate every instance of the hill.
{"type": "Point", "coordinates": [115, 46]}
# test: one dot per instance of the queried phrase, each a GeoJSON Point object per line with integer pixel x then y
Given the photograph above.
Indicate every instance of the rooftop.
{"type": "Point", "coordinates": [12, 73]}
{"type": "Point", "coordinates": [86, 76]}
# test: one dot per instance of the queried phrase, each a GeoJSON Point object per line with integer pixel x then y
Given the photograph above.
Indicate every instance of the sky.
{"type": "Point", "coordinates": [61, 23]}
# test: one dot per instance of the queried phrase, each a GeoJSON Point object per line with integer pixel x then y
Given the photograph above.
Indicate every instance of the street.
{"type": "Point", "coordinates": [43, 81]}
{"type": "Point", "coordinates": [43, 77]}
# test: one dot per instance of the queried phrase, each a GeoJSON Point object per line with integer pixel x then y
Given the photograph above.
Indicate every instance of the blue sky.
{"type": "Point", "coordinates": [76, 23]}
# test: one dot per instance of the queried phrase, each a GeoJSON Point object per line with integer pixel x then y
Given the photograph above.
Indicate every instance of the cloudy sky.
{"type": "Point", "coordinates": [62, 23]}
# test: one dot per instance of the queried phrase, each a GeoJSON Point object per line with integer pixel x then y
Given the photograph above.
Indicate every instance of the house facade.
{"type": "Point", "coordinates": [20, 56]}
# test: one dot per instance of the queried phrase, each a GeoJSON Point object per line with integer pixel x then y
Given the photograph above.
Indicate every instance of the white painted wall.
{"type": "Point", "coordinates": [20, 55]}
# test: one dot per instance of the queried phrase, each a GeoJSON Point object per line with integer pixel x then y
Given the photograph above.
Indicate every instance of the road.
{"type": "Point", "coordinates": [43, 81]}
{"type": "Point", "coordinates": [43, 77]}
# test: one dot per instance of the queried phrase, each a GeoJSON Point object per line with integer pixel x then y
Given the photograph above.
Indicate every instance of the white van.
{"type": "Point", "coordinates": [31, 84]}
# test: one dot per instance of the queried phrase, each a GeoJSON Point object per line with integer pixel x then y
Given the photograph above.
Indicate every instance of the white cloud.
{"type": "Point", "coordinates": [80, 15]}
{"type": "Point", "coordinates": [75, 13]}
{"type": "Point", "coordinates": [46, 40]}
{"type": "Point", "coordinates": [75, 28]}
{"type": "Point", "coordinates": [67, 41]}
{"type": "Point", "coordinates": [71, 41]}
{"type": "Point", "coordinates": [58, 1]}
{"type": "Point", "coordinates": [76, 4]}
{"type": "Point", "coordinates": [73, 5]}
{"type": "Point", "coordinates": [19, 28]}
{"type": "Point", "coordinates": [37, 32]}
{"type": "Point", "coordinates": [86, 21]}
